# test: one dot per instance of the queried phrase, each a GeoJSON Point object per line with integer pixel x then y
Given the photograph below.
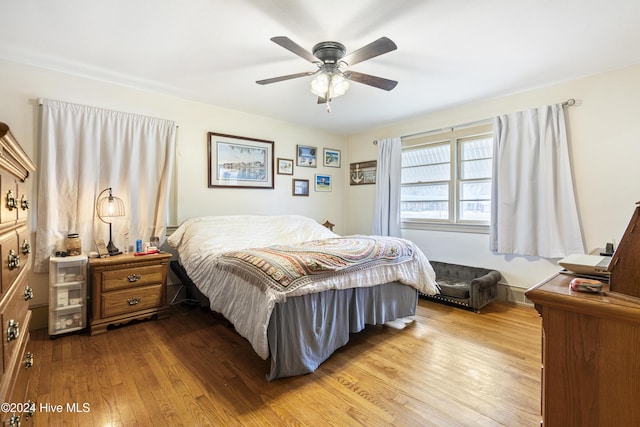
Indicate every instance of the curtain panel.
{"type": "Point", "coordinates": [386, 213]}
{"type": "Point", "coordinates": [84, 150]}
{"type": "Point", "coordinates": [534, 210]}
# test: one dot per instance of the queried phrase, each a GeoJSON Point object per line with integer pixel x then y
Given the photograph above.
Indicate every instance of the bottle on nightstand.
{"type": "Point", "coordinates": [67, 294]}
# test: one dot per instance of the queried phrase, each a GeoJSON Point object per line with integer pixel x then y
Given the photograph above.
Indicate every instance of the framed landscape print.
{"type": "Point", "coordinates": [285, 166]}
{"type": "Point", "coordinates": [240, 162]}
{"type": "Point", "coordinates": [300, 187]}
{"type": "Point", "coordinates": [306, 156]}
{"type": "Point", "coordinates": [331, 158]}
{"type": "Point", "coordinates": [323, 182]}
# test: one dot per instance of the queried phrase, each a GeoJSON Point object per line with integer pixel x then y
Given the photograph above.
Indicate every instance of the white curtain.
{"type": "Point", "coordinates": [85, 150]}
{"type": "Point", "coordinates": [534, 209]}
{"type": "Point", "coordinates": [386, 214]}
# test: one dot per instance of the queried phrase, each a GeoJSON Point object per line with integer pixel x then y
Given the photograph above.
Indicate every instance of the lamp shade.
{"type": "Point", "coordinates": [109, 206]}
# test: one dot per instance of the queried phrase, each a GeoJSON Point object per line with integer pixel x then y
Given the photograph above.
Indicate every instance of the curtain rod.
{"type": "Point", "coordinates": [568, 103]}
{"type": "Point", "coordinates": [41, 102]}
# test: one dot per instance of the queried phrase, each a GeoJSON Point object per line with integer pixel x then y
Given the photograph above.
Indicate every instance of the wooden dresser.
{"type": "Point", "coordinates": [590, 356]}
{"type": "Point", "coordinates": [127, 287]}
{"type": "Point", "coordinates": [15, 293]}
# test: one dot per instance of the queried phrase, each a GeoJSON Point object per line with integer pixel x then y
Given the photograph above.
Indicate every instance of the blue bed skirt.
{"type": "Point", "coordinates": [305, 330]}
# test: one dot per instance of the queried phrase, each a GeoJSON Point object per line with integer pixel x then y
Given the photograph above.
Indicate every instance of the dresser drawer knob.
{"type": "Point", "coordinates": [30, 410]}
{"type": "Point", "coordinates": [12, 203]}
{"type": "Point", "coordinates": [26, 247]}
{"type": "Point", "coordinates": [28, 293]}
{"type": "Point", "coordinates": [14, 260]}
{"type": "Point", "coordinates": [13, 330]}
{"type": "Point", "coordinates": [134, 277]}
{"type": "Point", "coordinates": [24, 203]}
{"type": "Point", "coordinates": [14, 421]}
{"type": "Point", "coordinates": [133, 301]}
{"type": "Point", "coordinates": [28, 360]}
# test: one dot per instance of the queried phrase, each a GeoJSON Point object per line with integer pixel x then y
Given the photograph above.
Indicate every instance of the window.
{"type": "Point", "coordinates": [446, 179]}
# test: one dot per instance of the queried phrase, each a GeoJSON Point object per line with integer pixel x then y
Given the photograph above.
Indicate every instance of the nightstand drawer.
{"type": "Point", "coordinates": [131, 300]}
{"type": "Point", "coordinates": [136, 276]}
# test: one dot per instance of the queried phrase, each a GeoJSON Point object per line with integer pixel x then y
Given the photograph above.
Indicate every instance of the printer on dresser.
{"type": "Point", "coordinates": [15, 292]}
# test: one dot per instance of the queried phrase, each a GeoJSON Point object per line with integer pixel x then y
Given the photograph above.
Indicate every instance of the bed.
{"type": "Point", "coordinates": [295, 289]}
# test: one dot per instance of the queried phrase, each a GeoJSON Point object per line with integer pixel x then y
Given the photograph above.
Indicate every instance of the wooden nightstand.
{"type": "Point", "coordinates": [127, 287]}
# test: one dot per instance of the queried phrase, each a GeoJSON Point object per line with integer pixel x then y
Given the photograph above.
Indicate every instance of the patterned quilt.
{"type": "Point", "coordinates": [284, 268]}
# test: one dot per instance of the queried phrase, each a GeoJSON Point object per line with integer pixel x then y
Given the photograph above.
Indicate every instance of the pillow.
{"type": "Point", "coordinates": [233, 232]}
{"type": "Point", "coordinates": [455, 290]}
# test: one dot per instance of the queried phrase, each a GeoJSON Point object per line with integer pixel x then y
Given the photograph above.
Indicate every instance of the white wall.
{"type": "Point", "coordinates": [604, 128]}
{"type": "Point", "coordinates": [21, 86]}
{"type": "Point", "coordinates": [605, 143]}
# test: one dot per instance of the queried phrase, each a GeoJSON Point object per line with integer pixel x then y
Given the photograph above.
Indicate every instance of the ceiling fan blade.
{"type": "Point", "coordinates": [373, 49]}
{"type": "Point", "coordinates": [370, 80]}
{"type": "Point", "coordinates": [287, 77]}
{"type": "Point", "coordinates": [292, 46]}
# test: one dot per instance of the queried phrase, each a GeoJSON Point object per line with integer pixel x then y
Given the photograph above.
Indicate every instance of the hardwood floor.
{"type": "Point", "coordinates": [448, 368]}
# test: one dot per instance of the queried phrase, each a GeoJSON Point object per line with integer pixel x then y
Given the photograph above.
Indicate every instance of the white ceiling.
{"type": "Point", "coordinates": [449, 51]}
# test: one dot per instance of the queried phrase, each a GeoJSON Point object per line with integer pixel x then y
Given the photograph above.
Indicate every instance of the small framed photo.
{"type": "Point", "coordinates": [285, 166]}
{"type": "Point", "coordinates": [306, 156]}
{"type": "Point", "coordinates": [300, 187]}
{"type": "Point", "coordinates": [331, 158]}
{"type": "Point", "coordinates": [323, 182]}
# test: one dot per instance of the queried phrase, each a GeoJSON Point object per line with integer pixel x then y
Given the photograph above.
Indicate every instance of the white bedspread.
{"type": "Point", "coordinates": [200, 240]}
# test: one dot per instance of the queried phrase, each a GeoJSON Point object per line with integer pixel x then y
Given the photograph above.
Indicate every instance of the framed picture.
{"type": "Point", "coordinates": [306, 156]}
{"type": "Point", "coordinates": [285, 166]}
{"type": "Point", "coordinates": [323, 182]}
{"type": "Point", "coordinates": [103, 252]}
{"type": "Point", "coordinates": [363, 173]}
{"type": "Point", "coordinates": [239, 162]}
{"type": "Point", "coordinates": [331, 158]}
{"type": "Point", "coordinates": [300, 187]}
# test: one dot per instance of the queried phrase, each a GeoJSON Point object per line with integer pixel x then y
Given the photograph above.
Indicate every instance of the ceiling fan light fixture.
{"type": "Point", "coordinates": [339, 85]}
{"type": "Point", "coordinates": [320, 84]}
{"type": "Point", "coordinates": [329, 85]}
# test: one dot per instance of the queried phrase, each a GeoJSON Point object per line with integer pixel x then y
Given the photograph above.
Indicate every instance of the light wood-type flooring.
{"type": "Point", "coordinates": [450, 367]}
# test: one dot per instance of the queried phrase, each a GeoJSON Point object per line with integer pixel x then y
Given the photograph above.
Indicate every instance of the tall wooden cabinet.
{"type": "Point", "coordinates": [590, 356]}
{"type": "Point", "coordinates": [15, 293]}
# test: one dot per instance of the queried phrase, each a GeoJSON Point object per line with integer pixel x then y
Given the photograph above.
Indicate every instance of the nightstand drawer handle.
{"type": "Point", "coordinates": [134, 277]}
{"type": "Point", "coordinates": [133, 301]}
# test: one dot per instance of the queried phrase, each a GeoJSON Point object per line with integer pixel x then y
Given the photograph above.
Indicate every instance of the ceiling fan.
{"type": "Point", "coordinates": [331, 58]}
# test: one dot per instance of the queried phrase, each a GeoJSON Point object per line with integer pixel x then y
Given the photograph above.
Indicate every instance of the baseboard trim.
{"type": "Point", "coordinates": [512, 294]}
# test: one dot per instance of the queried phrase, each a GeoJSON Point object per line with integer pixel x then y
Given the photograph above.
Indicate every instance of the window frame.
{"type": "Point", "coordinates": [453, 138]}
